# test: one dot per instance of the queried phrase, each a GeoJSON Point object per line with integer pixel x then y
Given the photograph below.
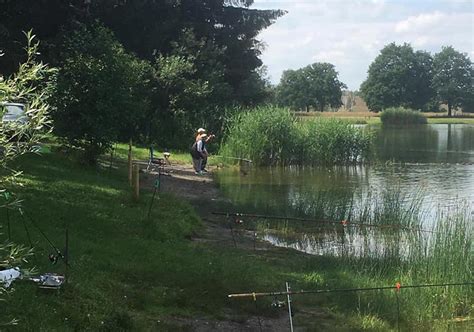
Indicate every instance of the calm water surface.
{"type": "Point", "coordinates": [436, 160]}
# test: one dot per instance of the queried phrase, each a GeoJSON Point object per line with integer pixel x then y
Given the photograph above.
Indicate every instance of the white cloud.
{"type": "Point", "coordinates": [421, 21]}
{"type": "Point", "coordinates": [350, 34]}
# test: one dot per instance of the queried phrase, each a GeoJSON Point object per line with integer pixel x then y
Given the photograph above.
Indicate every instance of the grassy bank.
{"type": "Point", "coordinates": [129, 272]}
{"type": "Point", "coordinates": [143, 153]}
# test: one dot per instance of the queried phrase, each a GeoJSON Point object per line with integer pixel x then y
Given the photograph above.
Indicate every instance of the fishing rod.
{"type": "Point", "coordinates": [397, 287]}
{"type": "Point", "coordinates": [342, 222]}
{"type": "Point", "coordinates": [52, 257]}
{"type": "Point", "coordinates": [235, 158]}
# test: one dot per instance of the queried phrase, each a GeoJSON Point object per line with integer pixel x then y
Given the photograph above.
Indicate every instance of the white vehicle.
{"type": "Point", "coordinates": [13, 112]}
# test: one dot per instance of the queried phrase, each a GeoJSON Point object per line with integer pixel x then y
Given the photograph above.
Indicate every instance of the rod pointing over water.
{"type": "Point", "coordinates": [344, 290]}
{"type": "Point", "coordinates": [235, 158]}
{"type": "Point", "coordinates": [343, 222]}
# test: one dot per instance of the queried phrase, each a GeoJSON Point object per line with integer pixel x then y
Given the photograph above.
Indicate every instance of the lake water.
{"type": "Point", "coordinates": [432, 161]}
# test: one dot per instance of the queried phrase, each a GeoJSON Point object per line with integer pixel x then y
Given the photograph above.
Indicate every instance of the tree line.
{"type": "Point", "coordinates": [150, 70]}
{"type": "Point", "coordinates": [398, 77]}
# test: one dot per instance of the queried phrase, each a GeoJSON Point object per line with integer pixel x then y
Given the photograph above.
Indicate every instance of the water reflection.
{"type": "Point", "coordinates": [365, 244]}
{"type": "Point", "coordinates": [435, 159]}
{"type": "Point", "coordinates": [448, 143]}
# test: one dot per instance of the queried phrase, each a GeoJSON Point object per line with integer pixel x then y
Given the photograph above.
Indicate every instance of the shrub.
{"type": "Point", "coordinates": [401, 116]}
{"type": "Point", "coordinates": [99, 91]}
{"type": "Point", "coordinates": [29, 85]}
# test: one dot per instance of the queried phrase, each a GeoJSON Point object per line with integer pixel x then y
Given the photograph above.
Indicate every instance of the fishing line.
{"type": "Point", "coordinates": [256, 311]}
{"type": "Point", "coordinates": [397, 292]}
{"type": "Point", "coordinates": [58, 252]}
{"type": "Point", "coordinates": [26, 228]}
{"type": "Point", "coordinates": [343, 222]}
{"type": "Point", "coordinates": [6, 194]}
{"type": "Point", "coordinates": [157, 187]}
{"type": "Point", "coordinates": [8, 224]}
{"type": "Point", "coordinates": [232, 231]}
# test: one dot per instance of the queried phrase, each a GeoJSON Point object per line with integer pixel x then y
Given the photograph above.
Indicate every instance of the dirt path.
{"type": "Point", "coordinates": [181, 181]}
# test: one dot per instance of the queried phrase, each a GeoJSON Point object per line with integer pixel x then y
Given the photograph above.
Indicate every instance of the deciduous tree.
{"type": "Point", "coordinates": [99, 91]}
{"type": "Point", "coordinates": [398, 76]}
{"type": "Point", "coordinates": [453, 78]}
{"type": "Point", "coordinates": [316, 86]}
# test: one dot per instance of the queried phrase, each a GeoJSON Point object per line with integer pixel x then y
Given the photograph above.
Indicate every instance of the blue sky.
{"type": "Point", "coordinates": [350, 33]}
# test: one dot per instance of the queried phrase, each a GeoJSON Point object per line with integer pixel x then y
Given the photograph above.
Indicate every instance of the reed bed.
{"type": "Point", "coordinates": [274, 136]}
{"type": "Point", "coordinates": [402, 249]}
{"type": "Point", "coordinates": [402, 116]}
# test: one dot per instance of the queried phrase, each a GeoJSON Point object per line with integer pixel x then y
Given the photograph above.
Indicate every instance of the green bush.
{"type": "Point", "coordinates": [100, 92]}
{"type": "Point", "coordinates": [270, 136]}
{"type": "Point", "coordinates": [402, 116]}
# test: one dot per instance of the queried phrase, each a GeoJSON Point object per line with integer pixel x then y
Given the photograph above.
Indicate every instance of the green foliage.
{"type": "Point", "coordinates": [453, 76]}
{"type": "Point", "coordinates": [315, 86]}
{"type": "Point", "coordinates": [29, 85]}
{"type": "Point", "coordinates": [398, 77]}
{"type": "Point", "coordinates": [402, 116]}
{"type": "Point", "coordinates": [228, 28]}
{"type": "Point", "coordinates": [333, 142]}
{"type": "Point", "coordinates": [270, 136]}
{"type": "Point", "coordinates": [99, 92]}
{"type": "Point", "coordinates": [138, 270]}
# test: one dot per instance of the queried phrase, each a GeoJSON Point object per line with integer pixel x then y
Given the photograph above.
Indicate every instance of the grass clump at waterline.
{"type": "Point", "coordinates": [402, 116]}
{"type": "Point", "coordinates": [274, 136]}
{"type": "Point", "coordinates": [405, 253]}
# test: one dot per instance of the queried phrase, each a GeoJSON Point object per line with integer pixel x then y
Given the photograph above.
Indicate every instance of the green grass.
{"type": "Point", "coordinates": [129, 272]}
{"type": "Point", "coordinates": [451, 121]}
{"type": "Point", "coordinates": [143, 153]}
{"type": "Point", "coordinates": [394, 252]}
{"type": "Point", "coordinates": [376, 120]}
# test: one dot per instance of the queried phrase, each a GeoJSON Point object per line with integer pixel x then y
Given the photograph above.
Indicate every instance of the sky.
{"type": "Point", "coordinates": [350, 33]}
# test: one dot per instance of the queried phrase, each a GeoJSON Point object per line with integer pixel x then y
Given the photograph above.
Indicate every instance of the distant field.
{"type": "Point", "coordinates": [374, 118]}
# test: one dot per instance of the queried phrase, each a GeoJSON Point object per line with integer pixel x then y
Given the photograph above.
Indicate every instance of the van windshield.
{"type": "Point", "coordinates": [13, 113]}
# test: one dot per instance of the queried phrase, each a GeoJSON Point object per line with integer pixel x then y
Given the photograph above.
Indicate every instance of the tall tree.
{"type": "Point", "coordinates": [99, 91]}
{"type": "Point", "coordinates": [146, 28]}
{"type": "Point", "coordinates": [453, 78]}
{"type": "Point", "coordinates": [398, 77]}
{"type": "Point", "coordinates": [316, 86]}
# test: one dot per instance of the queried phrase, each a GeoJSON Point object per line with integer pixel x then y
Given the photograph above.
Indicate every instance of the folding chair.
{"type": "Point", "coordinates": [152, 161]}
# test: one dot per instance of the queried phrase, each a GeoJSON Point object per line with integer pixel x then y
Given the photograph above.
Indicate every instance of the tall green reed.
{"type": "Point", "coordinates": [273, 136]}
{"type": "Point", "coordinates": [398, 251]}
{"type": "Point", "coordinates": [402, 116]}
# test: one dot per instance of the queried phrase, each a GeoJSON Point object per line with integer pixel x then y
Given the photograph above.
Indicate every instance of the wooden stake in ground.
{"type": "Point", "coordinates": [136, 182]}
{"type": "Point", "coordinates": [130, 163]}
